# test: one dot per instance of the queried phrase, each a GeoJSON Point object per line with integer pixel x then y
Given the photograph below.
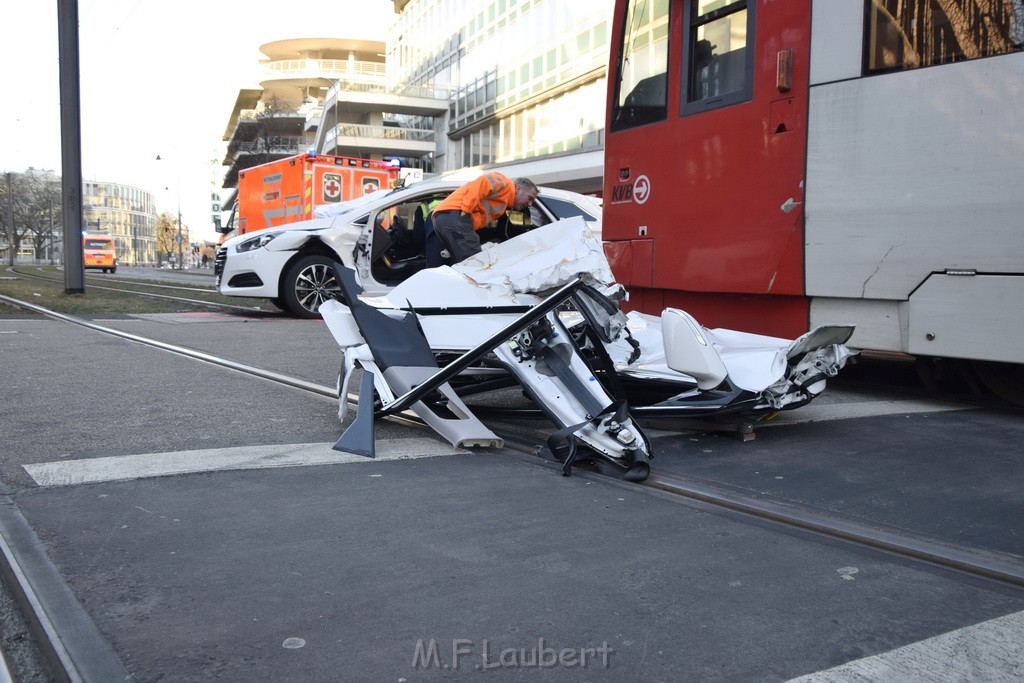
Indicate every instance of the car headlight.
{"type": "Point", "coordinates": [261, 240]}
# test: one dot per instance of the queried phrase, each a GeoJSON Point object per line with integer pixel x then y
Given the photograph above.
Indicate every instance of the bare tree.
{"type": "Point", "coordinates": [34, 202]}
{"type": "Point", "coordinates": [44, 216]}
{"type": "Point", "coordinates": [166, 231]}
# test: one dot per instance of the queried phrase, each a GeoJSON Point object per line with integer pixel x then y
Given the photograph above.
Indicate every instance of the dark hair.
{"type": "Point", "coordinates": [526, 185]}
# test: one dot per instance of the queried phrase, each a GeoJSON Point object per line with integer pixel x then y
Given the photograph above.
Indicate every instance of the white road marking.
{"type": "Point", "coordinates": [990, 651]}
{"type": "Point", "coordinates": [124, 467]}
{"type": "Point", "coordinates": [824, 412]}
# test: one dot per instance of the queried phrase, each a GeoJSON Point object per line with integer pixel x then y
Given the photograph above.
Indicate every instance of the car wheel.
{"type": "Point", "coordinates": [309, 282]}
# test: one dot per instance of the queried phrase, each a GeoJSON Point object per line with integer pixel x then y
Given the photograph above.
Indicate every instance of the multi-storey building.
{"type": "Point", "coordinates": [328, 95]}
{"type": "Point", "coordinates": [127, 213]}
{"type": "Point", "coordinates": [279, 118]}
{"type": "Point", "coordinates": [528, 82]}
{"type": "Point", "coordinates": [465, 83]}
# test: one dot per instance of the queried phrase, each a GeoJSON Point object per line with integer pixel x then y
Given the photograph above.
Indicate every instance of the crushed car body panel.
{"type": "Point", "coordinates": [588, 367]}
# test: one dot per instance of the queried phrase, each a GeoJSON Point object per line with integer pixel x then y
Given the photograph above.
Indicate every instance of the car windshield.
{"type": "Point", "coordinates": [330, 210]}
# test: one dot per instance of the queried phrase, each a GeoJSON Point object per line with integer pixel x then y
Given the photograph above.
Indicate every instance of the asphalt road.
{"type": "Point", "coordinates": [198, 525]}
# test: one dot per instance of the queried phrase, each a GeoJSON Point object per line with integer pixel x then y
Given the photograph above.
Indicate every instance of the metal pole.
{"type": "Point", "coordinates": [71, 145]}
{"type": "Point", "coordinates": [181, 264]}
{"type": "Point", "coordinates": [53, 244]}
{"type": "Point", "coordinates": [10, 221]}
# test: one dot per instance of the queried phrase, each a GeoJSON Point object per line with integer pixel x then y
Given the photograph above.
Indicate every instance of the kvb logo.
{"type": "Point", "coordinates": [639, 191]}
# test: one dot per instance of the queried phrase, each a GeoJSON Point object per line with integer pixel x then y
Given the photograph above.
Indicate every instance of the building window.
{"type": "Point", "coordinates": [719, 59]}
{"type": "Point", "coordinates": [640, 95]}
{"type": "Point", "coordinates": [908, 34]}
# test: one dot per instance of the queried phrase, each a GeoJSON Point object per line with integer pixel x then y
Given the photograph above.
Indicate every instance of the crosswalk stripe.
{"type": "Point", "coordinates": [990, 651]}
{"type": "Point", "coordinates": [125, 467]}
{"type": "Point", "coordinates": [822, 412]}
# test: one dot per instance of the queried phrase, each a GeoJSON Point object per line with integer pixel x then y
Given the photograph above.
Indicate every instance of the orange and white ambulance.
{"type": "Point", "coordinates": [99, 251]}
{"type": "Point", "coordinates": [287, 190]}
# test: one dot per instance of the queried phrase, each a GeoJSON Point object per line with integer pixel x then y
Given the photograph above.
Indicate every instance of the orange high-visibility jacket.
{"type": "Point", "coordinates": [484, 199]}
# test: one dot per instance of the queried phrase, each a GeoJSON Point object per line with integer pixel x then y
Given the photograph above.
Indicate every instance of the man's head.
{"type": "Point", "coordinates": [526, 192]}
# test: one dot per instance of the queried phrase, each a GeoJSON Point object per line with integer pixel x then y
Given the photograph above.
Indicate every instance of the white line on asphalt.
{"type": "Point", "coordinates": [990, 651]}
{"type": "Point", "coordinates": [123, 467]}
{"type": "Point", "coordinates": [822, 412]}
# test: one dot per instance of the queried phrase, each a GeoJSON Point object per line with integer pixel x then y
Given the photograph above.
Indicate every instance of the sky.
{"type": "Point", "coordinates": [157, 78]}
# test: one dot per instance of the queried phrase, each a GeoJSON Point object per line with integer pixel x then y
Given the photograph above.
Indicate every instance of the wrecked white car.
{"type": "Point", "coordinates": [541, 311]}
{"type": "Point", "coordinates": [380, 236]}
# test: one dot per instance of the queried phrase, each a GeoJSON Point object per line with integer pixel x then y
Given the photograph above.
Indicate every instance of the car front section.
{"type": "Point", "coordinates": [257, 264]}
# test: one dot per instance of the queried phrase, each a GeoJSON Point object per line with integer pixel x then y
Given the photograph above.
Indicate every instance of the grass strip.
{"type": "Point", "coordinates": [49, 293]}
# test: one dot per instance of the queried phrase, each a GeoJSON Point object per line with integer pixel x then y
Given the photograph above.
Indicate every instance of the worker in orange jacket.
{"type": "Point", "coordinates": [471, 208]}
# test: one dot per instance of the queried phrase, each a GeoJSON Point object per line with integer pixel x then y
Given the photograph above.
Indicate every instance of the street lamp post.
{"type": "Point", "coordinates": [181, 262]}
{"type": "Point", "coordinates": [10, 221]}
{"type": "Point", "coordinates": [52, 240]}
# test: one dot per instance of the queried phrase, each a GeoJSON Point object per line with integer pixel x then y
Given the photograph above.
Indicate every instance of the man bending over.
{"type": "Point", "coordinates": [471, 208]}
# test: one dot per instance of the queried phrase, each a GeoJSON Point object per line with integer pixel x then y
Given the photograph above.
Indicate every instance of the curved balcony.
{"type": "Point", "coordinates": [360, 140]}
{"type": "Point", "coordinates": [355, 96]}
{"type": "Point", "coordinates": [330, 69]}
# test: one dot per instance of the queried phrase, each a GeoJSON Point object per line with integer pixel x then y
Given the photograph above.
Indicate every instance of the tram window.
{"type": "Point", "coordinates": [907, 34]}
{"type": "Point", "coordinates": [640, 92]}
{"type": "Point", "coordinates": [719, 65]}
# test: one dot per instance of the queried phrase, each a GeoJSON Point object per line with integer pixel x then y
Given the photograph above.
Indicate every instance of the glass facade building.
{"type": "Point", "coordinates": [527, 76]}
{"type": "Point", "coordinates": [127, 213]}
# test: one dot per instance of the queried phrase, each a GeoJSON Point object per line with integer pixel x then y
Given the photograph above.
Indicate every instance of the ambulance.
{"type": "Point", "coordinates": [287, 190]}
{"type": "Point", "coordinates": [99, 252]}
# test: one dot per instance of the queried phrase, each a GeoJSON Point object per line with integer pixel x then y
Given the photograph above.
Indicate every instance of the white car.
{"type": "Point", "coordinates": [380, 236]}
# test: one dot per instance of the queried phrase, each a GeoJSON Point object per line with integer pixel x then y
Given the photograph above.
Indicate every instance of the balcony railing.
{"type": "Point", "coordinates": [322, 68]}
{"type": "Point", "coordinates": [275, 144]}
{"type": "Point", "coordinates": [348, 85]}
{"type": "Point", "coordinates": [383, 133]}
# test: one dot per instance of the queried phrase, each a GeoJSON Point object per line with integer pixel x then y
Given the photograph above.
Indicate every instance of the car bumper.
{"type": "Point", "coordinates": [253, 274]}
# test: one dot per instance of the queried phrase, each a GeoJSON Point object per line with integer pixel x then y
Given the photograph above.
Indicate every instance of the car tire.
{"type": "Point", "coordinates": [309, 282]}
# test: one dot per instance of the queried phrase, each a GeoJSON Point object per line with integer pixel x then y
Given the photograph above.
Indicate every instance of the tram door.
{"type": "Point", "coordinates": [705, 156]}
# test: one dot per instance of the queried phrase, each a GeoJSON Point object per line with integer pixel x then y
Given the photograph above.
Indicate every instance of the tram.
{"type": "Point", "coordinates": [773, 165]}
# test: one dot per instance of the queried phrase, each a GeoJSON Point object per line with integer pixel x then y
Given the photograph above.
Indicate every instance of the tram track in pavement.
{"type": "Point", "coordinates": [528, 445]}
{"type": "Point", "coordinates": [978, 563]}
